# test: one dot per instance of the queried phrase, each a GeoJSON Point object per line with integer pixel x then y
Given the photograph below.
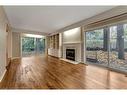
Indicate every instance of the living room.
{"type": "Point", "coordinates": [44, 48]}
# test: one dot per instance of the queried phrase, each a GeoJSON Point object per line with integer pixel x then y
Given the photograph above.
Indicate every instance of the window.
{"type": "Point", "coordinates": [32, 45]}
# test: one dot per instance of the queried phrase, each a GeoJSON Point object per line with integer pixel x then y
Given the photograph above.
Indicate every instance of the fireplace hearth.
{"type": "Point", "coordinates": [70, 54]}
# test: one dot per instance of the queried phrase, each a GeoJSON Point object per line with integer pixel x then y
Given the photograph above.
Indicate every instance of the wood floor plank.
{"type": "Point", "coordinates": [46, 72]}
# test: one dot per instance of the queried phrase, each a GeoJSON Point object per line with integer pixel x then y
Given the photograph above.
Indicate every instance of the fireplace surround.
{"type": "Point", "coordinates": [72, 47]}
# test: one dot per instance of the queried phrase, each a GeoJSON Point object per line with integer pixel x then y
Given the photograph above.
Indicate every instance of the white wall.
{"type": "Point", "coordinates": [72, 39]}
{"type": "Point", "coordinates": [72, 36]}
{"type": "Point", "coordinates": [3, 23]}
{"type": "Point", "coordinates": [10, 44]}
{"type": "Point", "coordinates": [84, 47]}
{"type": "Point", "coordinates": [16, 44]}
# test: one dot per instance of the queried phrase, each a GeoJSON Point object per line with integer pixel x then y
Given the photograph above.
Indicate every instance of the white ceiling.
{"type": "Point", "coordinates": [48, 19]}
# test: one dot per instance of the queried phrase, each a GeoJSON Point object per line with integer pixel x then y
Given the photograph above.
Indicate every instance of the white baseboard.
{"type": "Point", "coordinates": [3, 75]}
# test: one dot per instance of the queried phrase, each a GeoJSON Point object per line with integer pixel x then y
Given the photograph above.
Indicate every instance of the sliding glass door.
{"type": "Point", "coordinates": [118, 47]}
{"type": "Point", "coordinates": [32, 46]}
{"type": "Point", "coordinates": [96, 50]}
{"type": "Point", "coordinates": [108, 47]}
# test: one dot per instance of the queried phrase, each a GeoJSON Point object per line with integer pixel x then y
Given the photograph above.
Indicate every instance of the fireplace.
{"type": "Point", "coordinates": [70, 54]}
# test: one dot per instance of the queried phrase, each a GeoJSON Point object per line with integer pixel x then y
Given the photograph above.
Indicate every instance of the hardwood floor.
{"type": "Point", "coordinates": [43, 72]}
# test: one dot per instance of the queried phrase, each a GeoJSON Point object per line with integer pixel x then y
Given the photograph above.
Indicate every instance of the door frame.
{"type": "Point", "coordinates": [7, 32]}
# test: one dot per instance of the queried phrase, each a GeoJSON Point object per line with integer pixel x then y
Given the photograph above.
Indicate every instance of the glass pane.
{"type": "Point", "coordinates": [32, 46]}
{"type": "Point", "coordinates": [90, 46]}
{"type": "Point", "coordinates": [124, 62]}
{"type": "Point", "coordinates": [113, 55]}
{"type": "Point", "coordinates": [95, 52]}
{"type": "Point", "coordinates": [40, 45]}
{"type": "Point", "coordinates": [28, 46]}
{"type": "Point", "coordinates": [125, 41]}
{"type": "Point", "coordinates": [118, 47]}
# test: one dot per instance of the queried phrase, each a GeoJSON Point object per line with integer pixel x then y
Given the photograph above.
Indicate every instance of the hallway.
{"type": "Point", "coordinates": [46, 72]}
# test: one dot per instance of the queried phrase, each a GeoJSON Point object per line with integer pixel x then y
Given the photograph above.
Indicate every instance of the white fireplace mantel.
{"type": "Point", "coordinates": [76, 46]}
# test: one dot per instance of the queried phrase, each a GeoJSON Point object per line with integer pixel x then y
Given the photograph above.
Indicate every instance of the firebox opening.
{"type": "Point", "coordinates": [70, 54]}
